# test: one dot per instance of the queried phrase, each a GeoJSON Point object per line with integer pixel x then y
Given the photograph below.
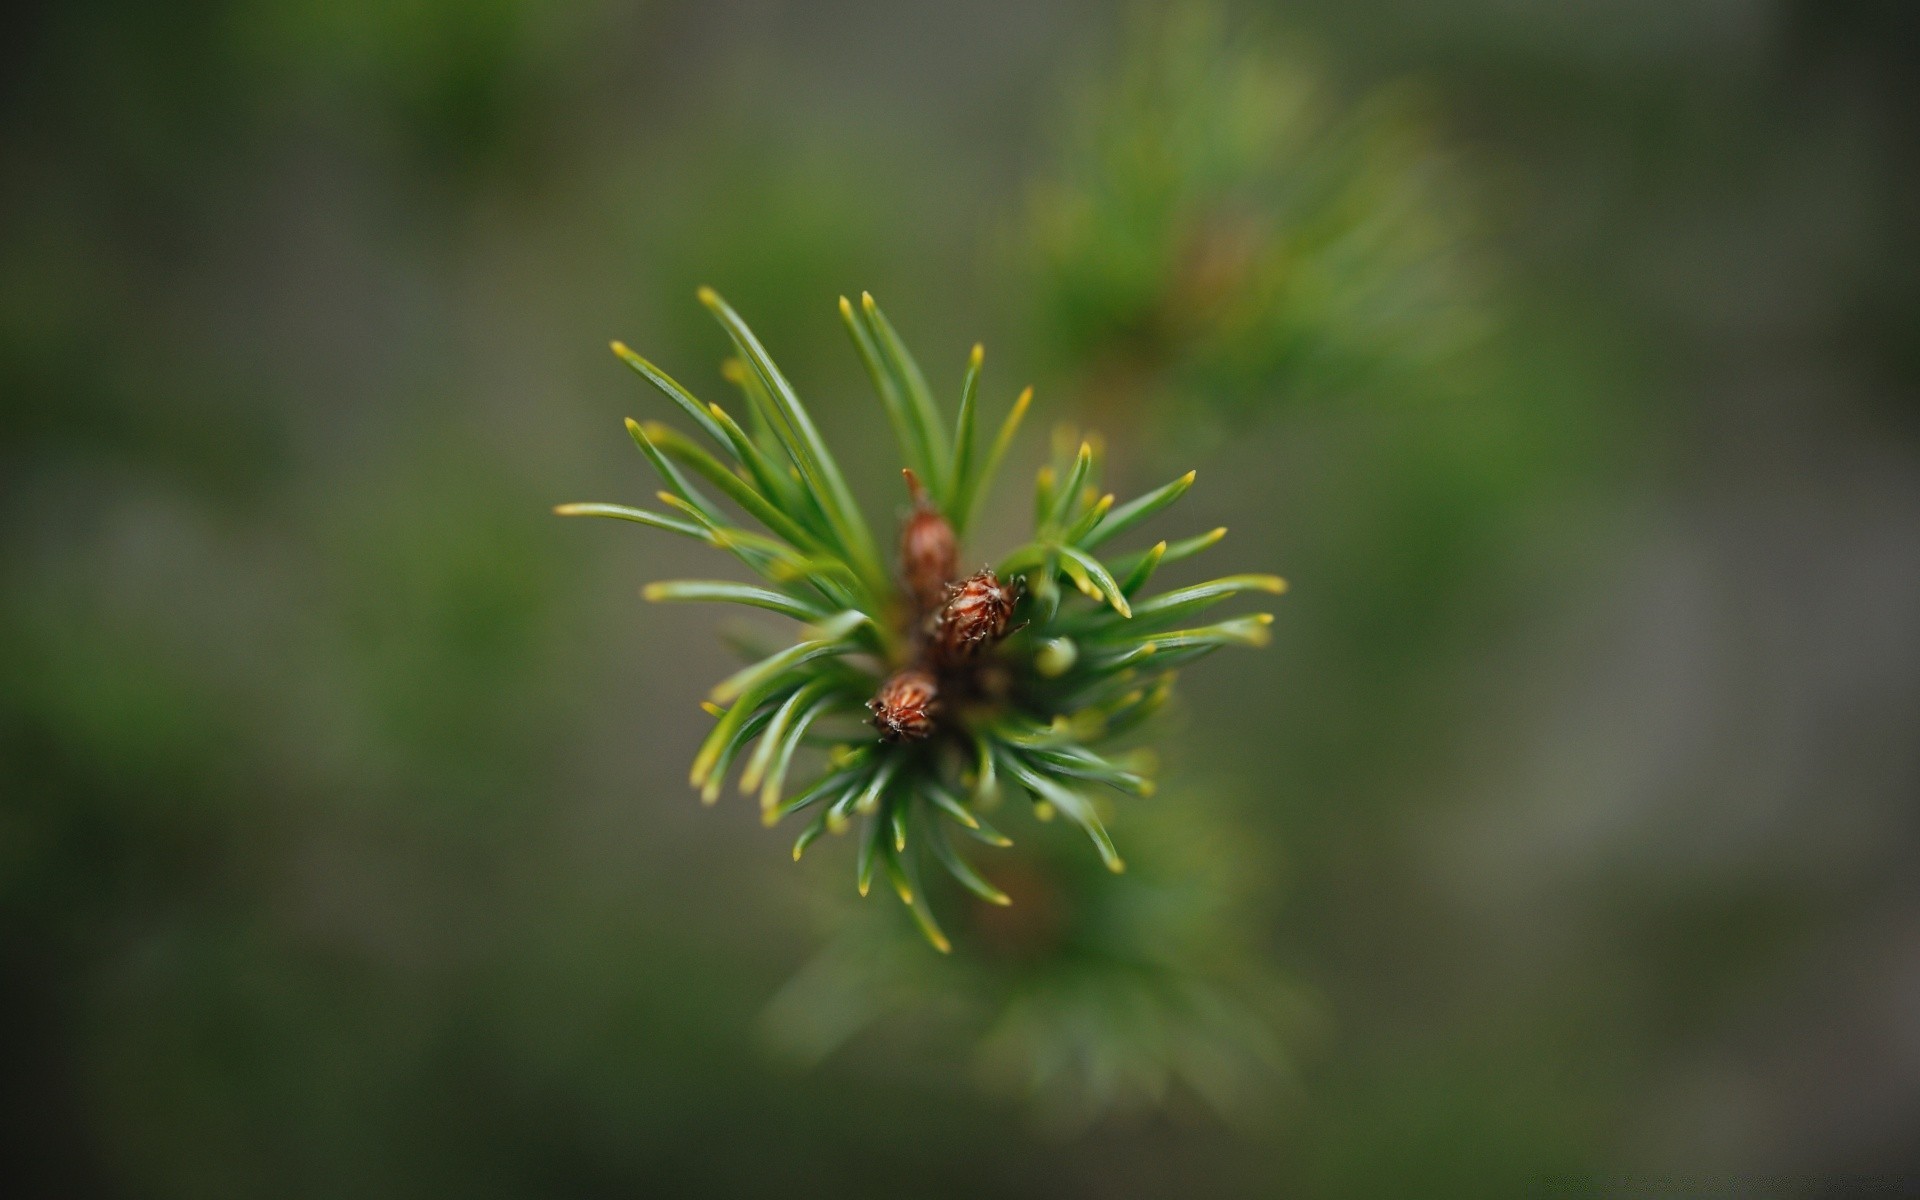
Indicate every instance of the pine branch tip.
{"type": "Point", "coordinates": [779, 471]}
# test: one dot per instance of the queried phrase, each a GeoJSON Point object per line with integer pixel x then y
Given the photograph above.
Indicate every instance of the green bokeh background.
{"type": "Point", "coordinates": [344, 847]}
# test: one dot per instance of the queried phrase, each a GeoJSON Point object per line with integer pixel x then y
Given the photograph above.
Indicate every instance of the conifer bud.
{"type": "Point", "coordinates": [904, 707]}
{"type": "Point", "coordinates": [977, 612]}
{"type": "Point", "coordinates": [928, 550]}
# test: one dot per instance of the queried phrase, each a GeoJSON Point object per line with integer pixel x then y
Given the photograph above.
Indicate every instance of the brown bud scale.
{"type": "Point", "coordinates": [927, 557]}
{"type": "Point", "coordinates": [977, 612]}
{"type": "Point", "coordinates": [904, 708]}
{"type": "Point", "coordinates": [929, 553]}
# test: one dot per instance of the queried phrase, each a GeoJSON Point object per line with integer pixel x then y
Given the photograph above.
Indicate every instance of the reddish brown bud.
{"type": "Point", "coordinates": [928, 551]}
{"type": "Point", "coordinates": [904, 707]}
{"type": "Point", "coordinates": [977, 612]}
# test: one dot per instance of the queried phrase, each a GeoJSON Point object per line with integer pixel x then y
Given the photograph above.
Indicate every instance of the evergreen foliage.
{"type": "Point", "coordinates": [1031, 706]}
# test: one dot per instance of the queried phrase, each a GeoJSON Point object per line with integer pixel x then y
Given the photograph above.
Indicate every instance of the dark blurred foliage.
{"type": "Point", "coordinates": [1091, 996]}
{"type": "Point", "coordinates": [1226, 231]}
{"type": "Point", "coordinates": [343, 841]}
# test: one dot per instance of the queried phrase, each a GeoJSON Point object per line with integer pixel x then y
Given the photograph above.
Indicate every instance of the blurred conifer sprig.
{"type": "Point", "coordinates": [1007, 680]}
{"type": "Point", "coordinates": [1092, 995]}
{"type": "Point", "coordinates": [1222, 229]}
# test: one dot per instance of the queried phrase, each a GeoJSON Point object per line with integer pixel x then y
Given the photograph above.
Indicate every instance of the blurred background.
{"type": "Point", "coordinates": [1562, 356]}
